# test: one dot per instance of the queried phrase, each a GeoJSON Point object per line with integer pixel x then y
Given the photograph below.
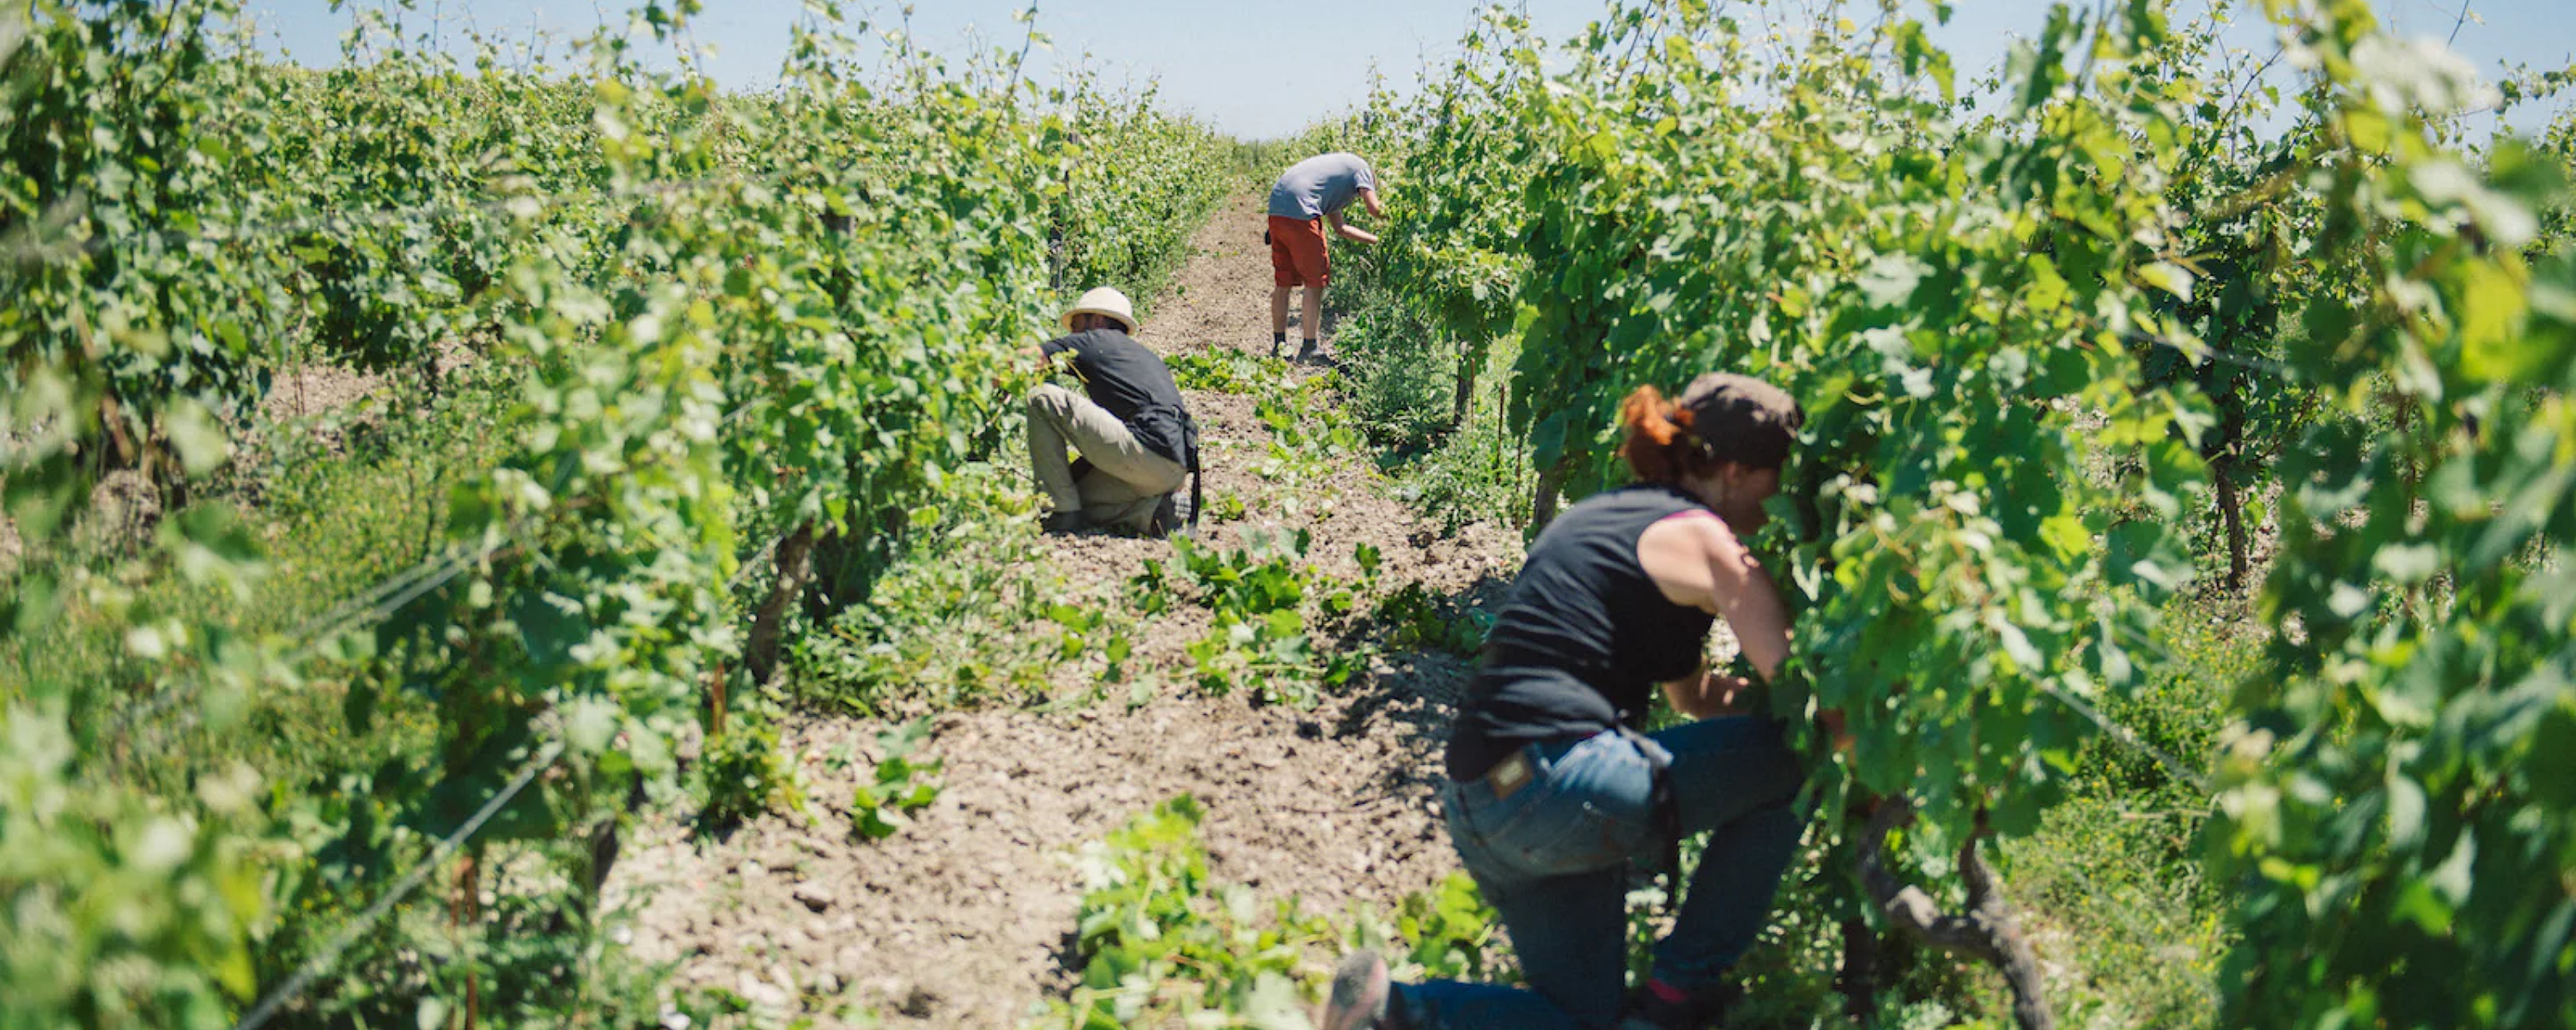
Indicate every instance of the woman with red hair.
{"type": "Point", "coordinates": [1554, 789]}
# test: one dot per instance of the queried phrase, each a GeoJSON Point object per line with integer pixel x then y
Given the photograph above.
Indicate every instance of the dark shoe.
{"type": "Point", "coordinates": [1307, 351]}
{"type": "Point", "coordinates": [1067, 522]}
{"type": "Point", "coordinates": [1358, 999]}
{"type": "Point", "coordinates": [1697, 1010]}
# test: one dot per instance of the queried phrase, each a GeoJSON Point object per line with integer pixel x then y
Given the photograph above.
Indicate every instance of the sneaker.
{"type": "Point", "coordinates": [1308, 351]}
{"type": "Point", "coordinates": [1358, 1000]}
{"type": "Point", "coordinates": [1067, 522]}
{"type": "Point", "coordinates": [1697, 1010]}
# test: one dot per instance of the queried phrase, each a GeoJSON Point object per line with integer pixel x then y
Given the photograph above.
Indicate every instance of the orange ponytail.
{"type": "Point", "coordinates": [1659, 447]}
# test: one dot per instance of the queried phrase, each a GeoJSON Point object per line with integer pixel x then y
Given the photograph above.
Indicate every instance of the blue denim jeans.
{"type": "Point", "coordinates": [1553, 858]}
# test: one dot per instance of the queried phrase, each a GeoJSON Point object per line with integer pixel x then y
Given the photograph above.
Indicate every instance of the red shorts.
{"type": "Point", "coordinates": [1297, 252]}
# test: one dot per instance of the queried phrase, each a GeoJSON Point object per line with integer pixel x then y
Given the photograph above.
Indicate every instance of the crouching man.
{"type": "Point", "coordinates": [1137, 441]}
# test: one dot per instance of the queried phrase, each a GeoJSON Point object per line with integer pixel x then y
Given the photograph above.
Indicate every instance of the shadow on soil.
{"type": "Point", "coordinates": [1423, 678]}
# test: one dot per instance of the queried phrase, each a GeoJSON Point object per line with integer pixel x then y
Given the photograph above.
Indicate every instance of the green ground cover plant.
{"type": "Point", "coordinates": [1270, 610]}
{"type": "Point", "coordinates": [1160, 940]}
{"type": "Point", "coordinates": [902, 782]}
{"type": "Point", "coordinates": [1228, 371]}
{"type": "Point", "coordinates": [936, 629]}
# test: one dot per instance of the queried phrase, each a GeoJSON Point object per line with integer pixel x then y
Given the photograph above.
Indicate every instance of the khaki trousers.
{"type": "Point", "coordinates": [1126, 481]}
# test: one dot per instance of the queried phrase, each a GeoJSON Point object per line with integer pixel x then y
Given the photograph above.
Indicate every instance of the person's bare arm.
{"type": "Point", "coordinates": [1350, 232]}
{"type": "Point", "coordinates": [1375, 209]}
{"type": "Point", "coordinates": [1708, 695]}
{"type": "Point", "coordinates": [1696, 560]}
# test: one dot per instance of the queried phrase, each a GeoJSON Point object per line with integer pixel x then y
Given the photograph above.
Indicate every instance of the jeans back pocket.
{"type": "Point", "coordinates": [1591, 809]}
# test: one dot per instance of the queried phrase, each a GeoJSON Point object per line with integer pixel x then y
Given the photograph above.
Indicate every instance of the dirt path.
{"type": "Point", "coordinates": [959, 919]}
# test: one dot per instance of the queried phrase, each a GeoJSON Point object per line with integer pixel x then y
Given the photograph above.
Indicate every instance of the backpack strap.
{"type": "Point", "coordinates": [1190, 451]}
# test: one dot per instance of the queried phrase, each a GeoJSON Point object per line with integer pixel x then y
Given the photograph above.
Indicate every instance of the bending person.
{"type": "Point", "coordinates": [1307, 197]}
{"type": "Point", "coordinates": [1136, 438]}
{"type": "Point", "coordinates": [1554, 791]}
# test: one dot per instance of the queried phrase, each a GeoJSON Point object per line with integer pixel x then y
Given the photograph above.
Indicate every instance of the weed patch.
{"type": "Point", "coordinates": [1412, 616]}
{"type": "Point", "coordinates": [972, 611]}
{"type": "Point", "coordinates": [1268, 604]}
{"type": "Point", "coordinates": [1308, 435]}
{"type": "Point", "coordinates": [1159, 942]}
{"type": "Point", "coordinates": [1222, 370]}
{"type": "Point", "coordinates": [901, 784]}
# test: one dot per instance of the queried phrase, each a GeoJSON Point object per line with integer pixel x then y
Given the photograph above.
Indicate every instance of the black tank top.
{"type": "Point", "coordinates": [1584, 636]}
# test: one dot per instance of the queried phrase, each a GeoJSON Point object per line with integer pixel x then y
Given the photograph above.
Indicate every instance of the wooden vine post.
{"type": "Point", "coordinates": [1548, 493]}
{"type": "Point", "coordinates": [1464, 395]}
{"type": "Point", "coordinates": [1857, 981]}
{"type": "Point", "coordinates": [795, 569]}
{"type": "Point", "coordinates": [465, 912]}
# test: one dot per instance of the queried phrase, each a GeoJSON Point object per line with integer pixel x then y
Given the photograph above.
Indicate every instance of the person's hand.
{"type": "Point", "coordinates": [1712, 695]}
{"type": "Point", "coordinates": [1728, 695]}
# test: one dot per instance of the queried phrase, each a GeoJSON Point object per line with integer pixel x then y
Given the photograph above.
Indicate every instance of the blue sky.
{"type": "Point", "coordinates": [1260, 70]}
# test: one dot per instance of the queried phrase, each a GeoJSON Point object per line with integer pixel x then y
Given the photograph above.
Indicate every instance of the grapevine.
{"type": "Point", "coordinates": [719, 316]}
{"type": "Point", "coordinates": [2031, 341]}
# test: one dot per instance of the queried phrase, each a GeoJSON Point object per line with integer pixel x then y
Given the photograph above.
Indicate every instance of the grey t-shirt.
{"type": "Point", "coordinates": [1319, 186]}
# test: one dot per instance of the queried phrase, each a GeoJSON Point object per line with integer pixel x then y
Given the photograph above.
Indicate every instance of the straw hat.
{"type": "Point", "coordinates": [1103, 301]}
